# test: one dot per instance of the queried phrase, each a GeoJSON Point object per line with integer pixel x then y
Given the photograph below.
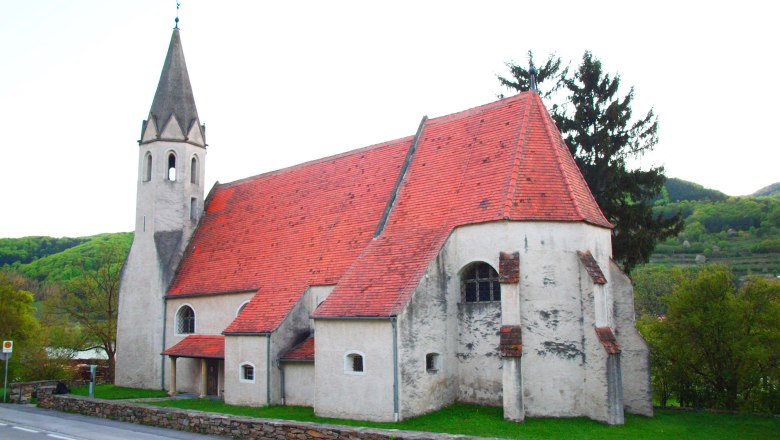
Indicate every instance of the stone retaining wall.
{"type": "Point", "coordinates": [23, 392]}
{"type": "Point", "coordinates": [220, 424]}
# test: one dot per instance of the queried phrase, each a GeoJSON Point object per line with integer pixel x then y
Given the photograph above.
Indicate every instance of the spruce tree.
{"type": "Point", "coordinates": [602, 136]}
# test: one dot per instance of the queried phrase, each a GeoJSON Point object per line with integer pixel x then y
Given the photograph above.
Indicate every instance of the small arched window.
{"type": "Point", "coordinates": [479, 283]}
{"type": "Point", "coordinates": [354, 363]}
{"type": "Point", "coordinates": [148, 167]}
{"type": "Point", "coordinates": [194, 170]}
{"type": "Point", "coordinates": [185, 320]}
{"type": "Point", "coordinates": [171, 173]}
{"type": "Point", "coordinates": [241, 307]}
{"type": "Point", "coordinates": [246, 373]}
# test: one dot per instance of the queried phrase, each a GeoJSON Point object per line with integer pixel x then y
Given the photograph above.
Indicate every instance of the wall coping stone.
{"type": "Point", "coordinates": [225, 424]}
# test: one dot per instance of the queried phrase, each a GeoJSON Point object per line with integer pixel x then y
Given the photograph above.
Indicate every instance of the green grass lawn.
{"type": "Point", "coordinates": [488, 422]}
{"type": "Point", "coordinates": [108, 391]}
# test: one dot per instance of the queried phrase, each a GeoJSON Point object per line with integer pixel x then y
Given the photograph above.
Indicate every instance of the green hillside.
{"type": "Point", "coordinates": [28, 249]}
{"type": "Point", "coordinates": [676, 190]}
{"type": "Point", "coordinates": [772, 190]}
{"type": "Point", "coordinates": [68, 263]}
{"type": "Point", "coordinates": [743, 232]}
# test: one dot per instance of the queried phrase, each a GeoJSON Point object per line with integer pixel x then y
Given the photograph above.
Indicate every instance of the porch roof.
{"type": "Point", "coordinates": [199, 346]}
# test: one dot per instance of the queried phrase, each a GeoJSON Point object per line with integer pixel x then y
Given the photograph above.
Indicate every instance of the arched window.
{"type": "Point", "coordinates": [354, 363]}
{"type": "Point", "coordinates": [479, 283]}
{"type": "Point", "coordinates": [246, 372]}
{"type": "Point", "coordinates": [171, 173]}
{"type": "Point", "coordinates": [194, 170]}
{"type": "Point", "coordinates": [185, 320]}
{"type": "Point", "coordinates": [148, 167]}
{"type": "Point", "coordinates": [241, 307]}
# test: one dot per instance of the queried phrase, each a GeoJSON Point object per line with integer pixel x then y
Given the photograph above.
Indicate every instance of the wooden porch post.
{"type": "Point", "coordinates": [203, 371]}
{"type": "Point", "coordinates": [172, 391]}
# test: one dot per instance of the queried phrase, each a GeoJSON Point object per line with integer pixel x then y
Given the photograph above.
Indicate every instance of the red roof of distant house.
{"type": "Point", "coordinates": [199, 346]}
{"type": "Point", "coordinates": [313, 224]}
{"type": "Point", "coordinates": [501, 161]}
{"type": "Point", "coordinates": [302, 352]}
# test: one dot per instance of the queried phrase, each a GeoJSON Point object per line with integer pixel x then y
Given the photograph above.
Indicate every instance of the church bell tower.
{"type": "Point", "coordinates": [169, 203]}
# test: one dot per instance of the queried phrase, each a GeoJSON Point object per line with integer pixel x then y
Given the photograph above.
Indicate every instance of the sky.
{"type": "Point", "coordinates": [280, 83]}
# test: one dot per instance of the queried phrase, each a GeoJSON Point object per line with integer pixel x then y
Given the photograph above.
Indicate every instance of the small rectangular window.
{"type": "Point", "coordinates": [193, 209]}
{"type": "Point", "coordinates": [432, 363]}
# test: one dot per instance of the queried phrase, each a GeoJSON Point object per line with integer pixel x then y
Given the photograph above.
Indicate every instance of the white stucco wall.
{"type": "Point", "coordinates": [635, 354]}
{"type": "Point", "coordinates": [212, 314]}
{"type": "Point", "coordinates": [163, 223]}
{"type": "Point", "coordinates": [563, 364]}
{"type": "Point", "coordinates": [240, 349]}
{"type": "Point", "coordinates": [367, 396]}
{"type": "Point", "coordinates": [299, 383]}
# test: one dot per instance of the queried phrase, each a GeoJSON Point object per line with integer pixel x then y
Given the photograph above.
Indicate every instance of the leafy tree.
{"type": "Point", "coordinates": [603, 136]}
{"type": "Point", "coordinates": [723, 341]}
{"type": "Point", "coordinates": [17, 323]}
{"type": "Point", "coordinates": [652, 285]}
{"type": "Point", "coordinates": [91, 300]}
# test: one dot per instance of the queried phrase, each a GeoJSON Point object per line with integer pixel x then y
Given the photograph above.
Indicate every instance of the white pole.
{"type": "Point", "coordinates": [5, 380]}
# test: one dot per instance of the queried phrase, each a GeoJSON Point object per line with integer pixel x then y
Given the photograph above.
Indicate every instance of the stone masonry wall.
{"type": "Point", "coordinates": [218, 424]}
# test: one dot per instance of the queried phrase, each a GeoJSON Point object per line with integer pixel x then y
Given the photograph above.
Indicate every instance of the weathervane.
{"type": "Point", "coordinates": [177, 15]}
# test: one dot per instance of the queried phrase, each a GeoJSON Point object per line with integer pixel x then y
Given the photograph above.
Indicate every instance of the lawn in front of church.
{"type": "Point", "coordinates": [473, 420]}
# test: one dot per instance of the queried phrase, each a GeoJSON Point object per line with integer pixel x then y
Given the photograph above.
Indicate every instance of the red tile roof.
{"type": "Point", "coordinates": [302, 352]}
{"type": "Point", "coordinates": [313, 224]}
{"type": "Point", "coordinates": [501, 161]}
{"type": "Point", "coordinates": [592, 267]}
{"type": "Point", "coordinates": [280, 232]}
{"type": "Point", "coordinates": [607, 339]}
{"type": "Point", "coordinates": [199, 346]}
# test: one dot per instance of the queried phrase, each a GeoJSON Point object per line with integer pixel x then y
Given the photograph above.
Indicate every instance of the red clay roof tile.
{"type": "Point", "coordinates": [313, 224]}
{"type": "Point", "coordinates": [301, 352]}
{"type": "Point", "coordinates": [501, 161]}
{"type": "Point", "coordinates": [199, 346]}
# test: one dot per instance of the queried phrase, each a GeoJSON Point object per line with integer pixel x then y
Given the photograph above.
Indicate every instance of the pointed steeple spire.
{"type": "Point", "coordinates": [174, 93]}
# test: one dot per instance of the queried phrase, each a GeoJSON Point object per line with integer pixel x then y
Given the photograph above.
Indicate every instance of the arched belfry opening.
{"type": "Point", "coordinates": [194, 170]}
{"type": "Point", "coordinates": [148, 167]}
{"type": "Point", "coordinates": [171, 173]}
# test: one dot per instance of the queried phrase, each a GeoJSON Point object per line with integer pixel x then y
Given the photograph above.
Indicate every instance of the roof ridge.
{"type": "Point", "coordinates": [564, 175]}
{"type": "Point", "coordinates": [510, 193]}
{"type": "Point", "coordinates": [315, 162]}
{"type": "Point", "coordinates": [472, 110]}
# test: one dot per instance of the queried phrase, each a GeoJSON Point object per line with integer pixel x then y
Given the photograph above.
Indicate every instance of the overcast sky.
{"type": "Point", "coordinates": [279, 83]}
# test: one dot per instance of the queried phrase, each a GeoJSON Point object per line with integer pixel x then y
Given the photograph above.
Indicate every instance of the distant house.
{"type": "Point", "coordinates": [467, 262]}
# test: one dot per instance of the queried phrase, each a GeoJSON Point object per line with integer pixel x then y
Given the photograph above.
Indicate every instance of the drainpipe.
{"type": "Point", "coordinates": [268, 369]}
{"type": "Point", "coordinates": [395, 368]}
{"type": "Point", "coordinates": [162, 356]}
{"type": "Point", "coordinates": [281, 377]}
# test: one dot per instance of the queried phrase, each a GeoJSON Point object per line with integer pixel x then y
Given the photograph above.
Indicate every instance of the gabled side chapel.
{"type": "Point", "coordinates": [468, 262]}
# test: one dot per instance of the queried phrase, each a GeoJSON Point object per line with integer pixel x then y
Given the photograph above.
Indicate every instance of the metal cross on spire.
{"type": "Point", "coordinates": [177, 15]}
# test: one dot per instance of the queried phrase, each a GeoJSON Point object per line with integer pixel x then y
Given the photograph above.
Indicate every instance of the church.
{"type": "Point", "coordinates": [467, 262]}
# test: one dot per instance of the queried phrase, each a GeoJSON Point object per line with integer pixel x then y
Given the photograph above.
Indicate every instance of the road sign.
{"type": "Point", "coordinates": [8, 346]}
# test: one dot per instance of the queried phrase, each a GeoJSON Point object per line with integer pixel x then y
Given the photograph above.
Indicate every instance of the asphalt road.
{"type": "Point", "coordinates": [26, 422]}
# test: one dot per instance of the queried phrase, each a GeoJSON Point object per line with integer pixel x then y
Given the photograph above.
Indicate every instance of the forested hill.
{"type": "Point", "coordinates": [49, 260]}
{"type": "Point", "coordinates": [772, 190]}
{"type": "Point", "coordinates": [743, 232]}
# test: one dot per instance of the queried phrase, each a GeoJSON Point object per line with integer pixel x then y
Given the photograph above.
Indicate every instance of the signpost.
{"type": "Point", "coordinates": [8, 348]}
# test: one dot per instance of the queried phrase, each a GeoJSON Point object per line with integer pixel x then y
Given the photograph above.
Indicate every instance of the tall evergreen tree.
{"type": "Point", "coordinates": [602, 136]}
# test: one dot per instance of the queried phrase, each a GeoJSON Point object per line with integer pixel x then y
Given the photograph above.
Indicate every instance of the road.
{"type": "Point", "coordinates": [26, 422]}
